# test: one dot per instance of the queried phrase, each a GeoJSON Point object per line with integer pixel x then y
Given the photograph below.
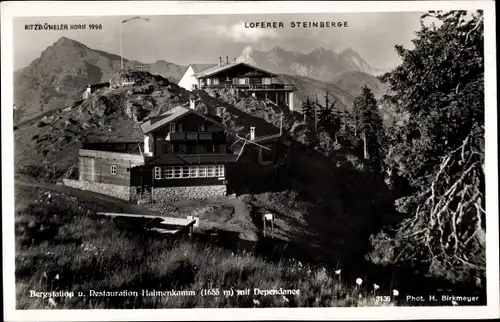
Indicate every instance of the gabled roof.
{"type": "Point", "coordinates": [172, 115]}
{"type": "Point", "coordinates": [201, 67]}
{"type": "Point", "coordinates": [216, 69]}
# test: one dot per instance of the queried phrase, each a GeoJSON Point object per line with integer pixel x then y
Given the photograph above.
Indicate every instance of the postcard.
{"type": "Point", "coordinates": [249, 161]}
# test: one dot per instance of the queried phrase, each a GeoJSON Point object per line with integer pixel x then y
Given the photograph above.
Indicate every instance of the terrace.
{"type": "Point", "coordinates": [251, 87]}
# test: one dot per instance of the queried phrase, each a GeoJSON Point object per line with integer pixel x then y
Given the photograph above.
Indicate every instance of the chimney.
{"type": "Point", "coordinates": [227, 60]}
{"type": "Point", "coordinates": [252, 133]}
{"type": "Point", "coordinates": [220, 61]}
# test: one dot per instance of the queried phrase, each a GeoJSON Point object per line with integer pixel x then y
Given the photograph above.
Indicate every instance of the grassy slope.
{"type": "Point", "coordinates": [62, 245]}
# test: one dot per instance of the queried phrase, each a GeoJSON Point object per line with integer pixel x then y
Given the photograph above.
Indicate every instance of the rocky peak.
{"type": "Point", "coordinates": [67, 42]}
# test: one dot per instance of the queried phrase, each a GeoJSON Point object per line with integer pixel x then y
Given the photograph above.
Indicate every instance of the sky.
{"type": "Point", "coordinates": [185, 39]}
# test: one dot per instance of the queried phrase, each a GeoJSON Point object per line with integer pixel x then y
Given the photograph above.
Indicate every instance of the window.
{"type": "Point", "coordinates": [210, 171]}
{"type": "Point", "coordinates": [202, 127]}
{"type": "Point", "coordinates": [169, 172]}
{"type": "Point", "coordinates": [157, 173]}
{"type": "Point", "coordinates": [242, 81]}
{"type": "Point", "coordinates": [168, 148]}
{"type": "Point", "coordinates": [172, 128]}
{"type": "Point", "coordinates": [185, 172]}
{"type": "Point", "coordinates": [193, 171]}
{"type": "Point", "coordinates": [219, 170]}
{"type": "Point", "coordinates": [113, 169]}
{"type": "Point", "coordinates": [189, 149]}
{"type": "Point", "coordinates": [180, 128]}
{"type": "Point", "coordinates": [177, 172]}
{"type": "Point", "coordinates": [215, 81]}
{"type": "Point", "coordinates": [202, 171]}
{"type": "Point", "coordinates": [266, 81]}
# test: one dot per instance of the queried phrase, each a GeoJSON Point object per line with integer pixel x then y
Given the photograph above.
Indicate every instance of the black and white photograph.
{"type": "Point", "coordinates": [188, 156]}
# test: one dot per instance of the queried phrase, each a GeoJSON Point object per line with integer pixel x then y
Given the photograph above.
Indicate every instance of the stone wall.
{"type": "Point", "coordinates": [160, 195]}
{"type": "Point", "coordinates": [169, 194]}
{"type": "Point", "coordinates": [113, 190]}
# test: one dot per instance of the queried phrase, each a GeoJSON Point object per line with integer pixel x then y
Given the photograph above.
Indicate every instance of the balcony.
{"type": "Point", "coordinates": [189, 136]}
{"type": "Point", "coordinates": [254, 87]}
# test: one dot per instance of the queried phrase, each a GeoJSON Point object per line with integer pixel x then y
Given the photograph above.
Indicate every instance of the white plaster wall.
{"type": "Point", "coordinates": [188, 79]}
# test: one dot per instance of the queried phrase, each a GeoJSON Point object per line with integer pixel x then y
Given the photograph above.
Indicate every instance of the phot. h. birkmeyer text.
{"type": "Point", "coordinates": [291, 155]}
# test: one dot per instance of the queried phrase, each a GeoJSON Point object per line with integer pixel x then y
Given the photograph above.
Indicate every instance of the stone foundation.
{"type": "Point", "coordinates": [169, 194]}
{"type": "Point", "coordinates": [113, 190]}
{"type": "Point", "coordinates": [160, 195]}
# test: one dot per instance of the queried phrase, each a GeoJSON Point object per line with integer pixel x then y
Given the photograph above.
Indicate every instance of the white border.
{"type": "Point", "coordinates": [102, 8]}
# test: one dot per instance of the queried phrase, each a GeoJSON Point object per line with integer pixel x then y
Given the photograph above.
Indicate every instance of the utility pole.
{"type": "Point", "coordinates": [121, 44]}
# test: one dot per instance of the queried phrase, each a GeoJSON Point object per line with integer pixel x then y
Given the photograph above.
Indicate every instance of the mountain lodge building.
{"type": "Point", "coordinates": [261, 84]}
{"type": "Point", "coordinates": [179, 148]}
{"type": "Point", "coordinates": [184, 148]}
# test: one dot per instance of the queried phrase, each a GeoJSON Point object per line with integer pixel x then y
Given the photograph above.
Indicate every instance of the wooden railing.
{"type": "Point", "coordinates": [194, 136]}
{"type": "Point", "coordinates": [275, 87]}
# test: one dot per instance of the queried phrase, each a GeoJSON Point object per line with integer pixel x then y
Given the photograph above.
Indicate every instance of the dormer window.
{"type": "Point", "coordinates": [172, 127]}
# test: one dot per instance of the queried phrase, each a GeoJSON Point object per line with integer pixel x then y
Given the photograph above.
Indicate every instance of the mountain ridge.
{"type": "Point", "coordinates": [321, 64]}
{"type": "Point", "coordinates": [59, 75]}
